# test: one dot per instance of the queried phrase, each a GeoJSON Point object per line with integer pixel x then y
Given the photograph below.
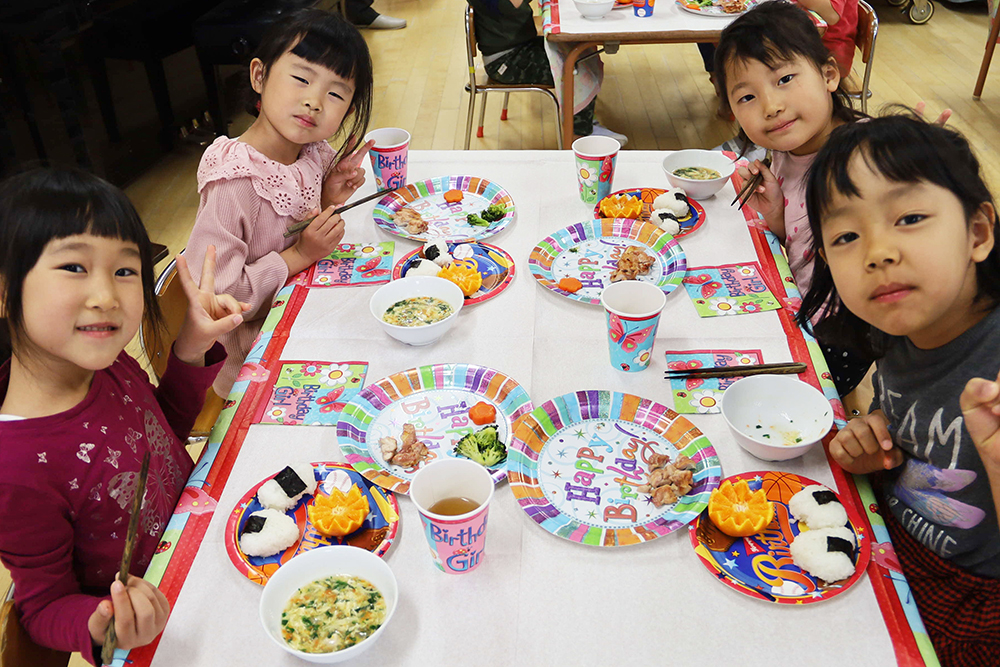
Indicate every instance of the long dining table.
{"type": "Point", "coordinates": [536, 598]}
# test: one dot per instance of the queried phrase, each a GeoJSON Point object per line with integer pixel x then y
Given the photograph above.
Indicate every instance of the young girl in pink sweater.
{"type": "Point", "coordinates": [311, 71]}
{"type": "Point", "coordinates": [77, 413]}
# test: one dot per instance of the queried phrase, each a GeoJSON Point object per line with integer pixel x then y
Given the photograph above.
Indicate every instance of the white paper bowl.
{"type": "Point", "coordinates": [413, 286]}
{"type": "Point", "coordinates": [779, 406]}
{"type": "Point", "coordinates": [594, 9]}
{"type": "Point", "coordinates": [315, 564]}
{"type": "Point", "coordinates": [698, 158]}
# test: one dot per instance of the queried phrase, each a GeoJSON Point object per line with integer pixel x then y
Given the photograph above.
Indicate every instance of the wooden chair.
{"type": "Point", "coordinates": [991, 44]}
{"type": "Point", "coordinates": [480, 83]}
{"type": "Point", "coordinates": [16, 647]}
{"type": "Point", "coordinates": [173, 303]}
{"type": "Point", "coordinates": [865, 40]}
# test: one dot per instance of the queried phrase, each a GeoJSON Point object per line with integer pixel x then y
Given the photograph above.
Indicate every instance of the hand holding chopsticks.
{"type": "Point", "coordinates": [299, 226]}
{"type": "Point", "coordinates": [751, 184]}
{"type": "Point", "coordinates": [736, 371]}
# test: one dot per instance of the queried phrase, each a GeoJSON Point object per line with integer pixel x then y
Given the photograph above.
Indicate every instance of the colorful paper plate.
{"type": "Point", "coordinates": [694, 220]}
{"type": "Point", "coordinates": [714, 10]}
{"type": "Point", "coordinates": [375, 535]}
{"type": "Point", "coordinates": [493, 263]}
{"type": "Point", "coordinates": [589, 251]}
{"type": "Point", "coordinates": [445, 220]}
{"type": "Point", "coordinates": [436, 399]}
{"type": "Point", "coordinates": [761, 565]}
{"type": "Point", "coordinates": [576, 461]}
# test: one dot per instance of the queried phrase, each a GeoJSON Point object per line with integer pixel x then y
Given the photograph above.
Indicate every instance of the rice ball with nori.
{"type": "Point", "coordinates": [818, 507]}
{"type": "Point", "coordinates": [665, 220]}
{"type": "Point", "coordinates": [287, 487]}
{"type": "Point", "coordinates": [437, 252]}
{"type": "Point", "coordinates": [826, 553]}
{"type": "Point", "coordinates": [422, 267]}
{"type": "Point", "coordinates": [674, 200]}
{"type": "Point", "coordinates": [268, 531]}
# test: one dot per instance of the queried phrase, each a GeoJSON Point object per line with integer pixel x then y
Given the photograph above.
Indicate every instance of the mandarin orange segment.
{"type": "Point", "coordinates": [468, 279]}
{"type": "Point", "coordinates": [621, 206]}
{"type": "Point", "coordinates": [739, 512]}
{"type": "Point", "coordinates": [338, 514]}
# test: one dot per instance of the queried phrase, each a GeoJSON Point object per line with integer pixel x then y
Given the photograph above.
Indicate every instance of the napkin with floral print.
{"type": "Point", "coordinates": [311, 392]}
{"type": "Point", "coordinates": [350, 264]}
{"type": "Point", "coordinates": [694, 395]}
{"type": "Point", "coordinates": [730, 289]}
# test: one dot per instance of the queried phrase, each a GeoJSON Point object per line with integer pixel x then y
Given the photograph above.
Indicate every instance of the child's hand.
{"type": "Point", "coordinates": [865, 446]}
{"type": "Point", "coordinates": [941, 120]}
{"type": "Point", "coordinates": [980, 403]}
{"type": "Point", "coordinates": [320, 238]}
{"type": "Point", "coordinates": [209, 315]}
{"type": "Point", "coordinates": [345, 178]}
{"type": "Point", "coordinates": [140, 612]}
{"type": "Point", "coordinates": [768, 199]}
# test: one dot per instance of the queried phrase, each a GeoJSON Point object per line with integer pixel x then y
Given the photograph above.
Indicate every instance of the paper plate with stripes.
{"type": "Point", "coordinates": [576, 463]}
{"type": "Point", "coordinates": [436, 400]}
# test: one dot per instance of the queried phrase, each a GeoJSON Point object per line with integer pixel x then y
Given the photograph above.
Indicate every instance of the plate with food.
{"type": "Point", "coordinates": [402, 422]}
{"type": "Point", "coordinates": [579, 261]}
{"type": "Point", "coordinates": [781, 537]}
{"type": "Point", "coordinates": [305, 506]}
{"type": "Point", "coordinates": [610, 469]}
{"type": "Point", "coordinates": [461, 263]}
{"type": "Point", "coordinates": [721, 8]}
{"type": "Point", "coordinates": [675, 213]}
{"type": "Point", "coordinates": [450, 208]}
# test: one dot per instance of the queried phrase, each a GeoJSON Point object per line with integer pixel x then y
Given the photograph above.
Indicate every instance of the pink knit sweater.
{"type": "Point", "coordinates": [247, 203]}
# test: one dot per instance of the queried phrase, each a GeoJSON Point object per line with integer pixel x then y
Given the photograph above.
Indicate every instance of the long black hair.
{"type": "Point", "coordinates": [326, 39]}
{"type": "Point", "coordinates": [774, 33]}
{"type": "Point", "coordinates": [44, 204]}
{"type": "Point", "coordinates": [903, 148]}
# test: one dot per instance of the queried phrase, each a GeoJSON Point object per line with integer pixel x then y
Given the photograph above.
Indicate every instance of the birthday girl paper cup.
{"type": "Point", "coordinates": [595, 166]}
{"type": "Point", "coordinates": [633, 310]}
{"type": "Point", "coordinates": [453, 499]}
{"type": "Point", "coordinates": [389, 156]}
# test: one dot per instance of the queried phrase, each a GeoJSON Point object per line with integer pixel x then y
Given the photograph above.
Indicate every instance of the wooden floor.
{"type": "Point", "coordinates": [659, 96]}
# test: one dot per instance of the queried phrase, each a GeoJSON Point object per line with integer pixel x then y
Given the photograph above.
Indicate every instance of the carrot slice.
{"type": "Point", "coordinates": [482, 413]}
{"type": "Point", "coordinates": [453, 196]}
{"type": "Point", "coordinates": [570, 284]}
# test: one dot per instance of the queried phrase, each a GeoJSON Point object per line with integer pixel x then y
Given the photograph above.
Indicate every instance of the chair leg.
{"type": "Point", "coordinates": [468, 119]}
{"type": "Point", "coordinates": [161, 97]}
{"type": "Point", "coordinates": [987, 57]}
{"type": "Point", "coordinates": [503, 114]}
{"type": "Point", "coordinates": [482, 116]}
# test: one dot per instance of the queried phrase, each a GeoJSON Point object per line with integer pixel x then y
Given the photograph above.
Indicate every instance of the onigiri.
{"type": "Point", "coordinates": [818, 507]}
{"type": "Point", "coordinates": [422, 267]}
{"type": "Point", "coordinates": [287, 487]}
{"type": "Point", "coordinates": [437, 252]}
{"type": "Point", "coordinates": [267, 532]}
{"type": "Point", "coordinates": [665, 220]}
{"type": "Point", "coordinates": [674, 200]}
{"type": "Point", "coordinates": [826, 553]}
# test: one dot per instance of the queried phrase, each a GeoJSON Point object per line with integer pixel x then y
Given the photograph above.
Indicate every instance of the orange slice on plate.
{"type": "Point", "coordinates": [738, 511]}
{"type": "Point", "coordinates": [621, 206]}
{"type": "Point", "coordinates": [468, 278]}
{"type": "Point", "coordinates": [338, 514]}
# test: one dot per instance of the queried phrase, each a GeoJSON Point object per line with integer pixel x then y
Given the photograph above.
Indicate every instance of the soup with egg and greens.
{"type": "Point", "coordinates": [331, 614]}
{"type": "Point", "coordinates": [417, 311]}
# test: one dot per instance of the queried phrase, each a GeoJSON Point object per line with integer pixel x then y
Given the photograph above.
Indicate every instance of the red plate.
{"type": "Point", "coordinates": [647, 195]}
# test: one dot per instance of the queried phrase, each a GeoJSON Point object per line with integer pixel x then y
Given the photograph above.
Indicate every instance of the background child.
{"type": "Point", "coordinates": [783, 86]}
{"type": "Point", "coordinates": [311, 71]}
{"type": "Point", "coordinates": [905, 234]}
{"type": "Point", "coordinates": [77, 414]}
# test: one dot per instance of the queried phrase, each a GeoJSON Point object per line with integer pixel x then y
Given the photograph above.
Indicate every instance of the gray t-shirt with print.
{"type": "Point", "coordinates": [941, 494]}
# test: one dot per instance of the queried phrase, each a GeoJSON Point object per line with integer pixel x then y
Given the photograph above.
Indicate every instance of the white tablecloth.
{"type": "Point", "coordinates": [667, 16]}
{"type": "Point", "coordinates": [536, 599]}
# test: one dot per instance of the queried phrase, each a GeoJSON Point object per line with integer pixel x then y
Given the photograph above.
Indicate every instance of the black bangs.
{"type": "Point", "coordinates": [328, 47]}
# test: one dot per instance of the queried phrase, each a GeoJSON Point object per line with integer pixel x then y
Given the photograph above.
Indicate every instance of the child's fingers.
{"type": "Point", "coordinates": [124, 616]}
{"type": "Point", "coordinates": [892, 458]}
{"type": "Point", "coordinates": [208, 271]}
{"type": "Point", "coordinates": [143, 611]}
{"type": "Point", "coordinates": [184, 275]}
{"type": "Point", "coordinates": [229, 304]}
{"type": "Point", "coordinates": [978, 392]}
{"type": "Point", "coordinates": [880, 430]}
{"type": "Point", "coordinates": [943, 118]}
{"type": "Point", "coordinates": [839, 454]}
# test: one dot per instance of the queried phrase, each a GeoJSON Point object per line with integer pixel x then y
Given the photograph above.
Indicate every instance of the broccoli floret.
{"type": "Point", "coordinates": [477, 221]}
{"type": "Point", "coordinates": [493, 212]}
{"type": "Point", "coordinates": [483, 447]}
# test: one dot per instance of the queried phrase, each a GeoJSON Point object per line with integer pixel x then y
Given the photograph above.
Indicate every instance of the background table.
{"type": "Point", "coordinates": [536, 599]}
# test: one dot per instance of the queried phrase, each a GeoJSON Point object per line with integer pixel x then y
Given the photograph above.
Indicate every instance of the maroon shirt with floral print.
{"type": "Point", "coordinates": [67, 483]}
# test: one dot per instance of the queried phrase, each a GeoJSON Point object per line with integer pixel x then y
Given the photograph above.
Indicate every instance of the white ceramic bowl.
{"type": "Point", "coordinates": [317, 564]}
{"type": "Point", "coordinates": [694, 157]}
{"type": "Point", "coordinates": [594, 9]}
{"type": "Point", "coordinates": [413, 286]}
{"type": "Point", "coordinates": [776, 417]}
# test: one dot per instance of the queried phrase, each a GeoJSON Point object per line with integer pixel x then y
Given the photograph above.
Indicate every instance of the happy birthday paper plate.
{"type": "Point", "coordinates": [445, 220]}
{"type": "Point", "coordinates": [692, 222]}
{"type": "Point", "coordinates": [493, 263]}
{"type": "Point", "coordinates": [712, 9]}
{"type": "Point", "coordinates": [436, 400]}
{"type": "Point", "coordinates": [761, 565]}
{"type": "Point", "coordinates": [589, 252]}
{"type": "Point", "coordinates": [375, 535]}
{"type": "Point", "coordinates": [576, 462]}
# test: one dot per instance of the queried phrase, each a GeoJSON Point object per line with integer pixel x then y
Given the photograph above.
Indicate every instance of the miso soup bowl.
{"type": "Point", "coordinates": [413, 286]}
{"type": "Point", "coordinates": [695, 188]}
{"type": "Point", "coordinates": [776, 417]}
{"type": "Point", "coordinates": [594, 9]}
{"type": "Point", "coordinates": [320, 563]}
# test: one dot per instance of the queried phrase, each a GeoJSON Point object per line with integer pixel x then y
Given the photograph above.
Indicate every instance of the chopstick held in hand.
{"type": "Point", "coordinates": [299, 226]}
{"type": "Point", "coordinates": [110, 638]}
{"type": "Point", "coordinates": [787, 368]}
{"type": "Point", "coordinates": [751, 184]}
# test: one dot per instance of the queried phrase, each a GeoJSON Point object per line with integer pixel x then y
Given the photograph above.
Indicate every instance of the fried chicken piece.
{"type": "Point", "coordinates": [658, 461]}
{"type": "Point", "coordinates": [733, 6]}
{"type": "Point", "coordinates": [413, 221]}
{"type": "Point", "coordinates": [633, 262]}
{"type": "Point", "coordinates": [412, 451]}
{"type": "Point", "coordinates": [666, 482]}
{"type": "Point", "coordinates": [389, 447]}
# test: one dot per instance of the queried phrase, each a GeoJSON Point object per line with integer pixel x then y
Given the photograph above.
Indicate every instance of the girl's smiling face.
{"type": "Point", "coordinates": [788, 108]}
{"type": "Point", "coordinates": [903, 255]}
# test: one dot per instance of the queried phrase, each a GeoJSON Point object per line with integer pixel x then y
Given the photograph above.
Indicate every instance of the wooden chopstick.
{"type": "Point", "coordinates": [110, 639]}
{"type": "Point", "coordinates": [787, 368]}
{"type": "Point", "coordinates": [299, 226]}
{"type": "Point", "coordinates": [752, 183]}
